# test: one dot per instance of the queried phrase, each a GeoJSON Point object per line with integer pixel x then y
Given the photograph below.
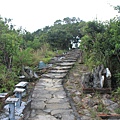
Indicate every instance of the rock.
{"type": "Point", "coordinates": [57, 81]}
{"type": "Point", "coordinates": [106, 96]}
{"type": "Point", "coordinates": [95, 107]}
{"type": "Point", "coordinates": [97, 75]}
{"type": "Point", "coordinates": [78, 93]}
{"type": "Point", "coordinates": [85, 100]}
{"type": "Point", "coordinates": [43, 117]}
{"type": "Point", "coordinates": [36, 95]}
{"type": "Point", "coordinates": [36, 91]}
{"type": "Point", "coordinates": [37, 105]}
{"type": "Point", "coordinates": [89, 95]}
{"type": "Point", "coordinates": [54, 89]}
{"type": "Point", "coordinates": [86, 112]}
{"type": "Point", "coordinates": [61, 111]}
{"type": "Point", "coordinates": [33, 113]}
{"type": "Point", "coordinates": [41, 112]}
{"type": "Point", "coordinates": [86, 80]}
{"type": "Point", "coordinates": [57, 100]}
{"type": "Point", "coordinates": [60, 94]}
{"type": "Point", "coordinates": [68, 117]}
{"type": "Point", "coordinates": [58, 116]}
{"type": "Point", "coordinates": [76, 74]}
{"type": "Point", "coordinates": [86, 118]}
{"type": "Point", "coordinates": [76, 99]}
{"type": "Point", "coordinates": [107, 102]}
{"type": "Point", "coordinates": [58, 106]}
{"type": "Point", "coordinates": [28, 72]}
{"type": "Point", "coordinates": [112, 107]}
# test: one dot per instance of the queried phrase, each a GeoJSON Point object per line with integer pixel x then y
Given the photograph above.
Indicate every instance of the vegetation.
{"type": "Point", "coordinates": [20, 48]}
{"type": "Point", "coordinates": [100, 43]}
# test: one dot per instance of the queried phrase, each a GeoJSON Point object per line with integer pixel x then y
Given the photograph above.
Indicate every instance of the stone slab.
{"type": "Point", "coordinates": [61, 68]}
{"type": "Point", "coordinates": [38, 105]}
{"type": "Point", "coordinates": [11, 100]}
{"type": "Point", "coordinates": [61, 111]}
{"type": "Point", "coordinates": [58, 71]}
{"type": "Point", "coordinates": [57, 100]}
{"type": "Point", "coordinates": [66, 63]}
{"type": "Point", "coordinates": [69, 60]}
{"type": "Point", "coordinates": [43, 117]}
{"type": "Point", "coordinates": [59, 94]}
{"type": "Point", "coordinates": [19, 90]}
{"type": "Point", "coordinates": [37, 96]}
{"type": "Point", "coordinates": [3, 95]}
{"type": "Point", "coordinates": [22, 84]}
{"type": "Point", "coordinates": [68, 117]}
{"type": "Point", "coordinates": [54, 75]}
{"type": "Point", "coordinates": [58, 106]}
{"type": "Point", "coordinates": [37, 91]}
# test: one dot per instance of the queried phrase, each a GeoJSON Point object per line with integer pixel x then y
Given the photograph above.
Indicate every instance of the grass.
{"type": "Point", "coordinates": [93, 113]}
{"type": "Point", "coordinates": [100, 108]}
{"type": "Point", "coordinates": [117, 110]}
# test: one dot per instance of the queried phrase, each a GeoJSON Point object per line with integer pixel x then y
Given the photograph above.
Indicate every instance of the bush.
{"type": "Point", "coordinates": [7, 81]}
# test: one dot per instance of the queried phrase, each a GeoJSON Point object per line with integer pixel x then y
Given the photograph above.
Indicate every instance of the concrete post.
{"type": "Point", "coordinates": [11, 102]}
{"type": "Point", "coordinates": [18, 92]}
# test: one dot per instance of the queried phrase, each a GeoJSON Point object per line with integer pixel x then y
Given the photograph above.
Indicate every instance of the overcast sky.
{"type": "Point", "coordinates": [36, 14]}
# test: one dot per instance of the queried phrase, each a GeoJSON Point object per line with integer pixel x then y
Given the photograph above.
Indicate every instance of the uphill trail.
{"type": "Point", "coordinates": [50, 100]}
{"type": "Point", "coordinates": [58, 94]}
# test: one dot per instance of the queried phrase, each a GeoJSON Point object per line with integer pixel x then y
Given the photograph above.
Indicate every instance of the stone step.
{"type": "Point", "coordinates": [66, 64]}
{"type": "Point", "coordinates": [58, 71]}
{"type": "Point", "coordinates": [49, 99]}
{"type": "Point", "coordinates": [61, 68]}
{"type": "Point", "coordinates": [54, 75]}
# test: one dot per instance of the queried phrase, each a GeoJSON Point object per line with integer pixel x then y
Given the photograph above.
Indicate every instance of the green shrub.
{"type": "Point", "coordinates": [117, 110]}
{"type": "Point", "coordinates": [7, 81]}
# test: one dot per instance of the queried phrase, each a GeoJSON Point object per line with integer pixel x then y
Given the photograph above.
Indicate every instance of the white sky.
{"type": "Point", "coordinates": [36, 14]}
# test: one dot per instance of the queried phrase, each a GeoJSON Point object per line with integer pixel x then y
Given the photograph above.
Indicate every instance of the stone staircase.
{"type": "Point", "coordinates": [49, 99]}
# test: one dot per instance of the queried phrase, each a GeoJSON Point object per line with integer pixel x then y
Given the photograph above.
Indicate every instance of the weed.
{"type": "Point", "coordinates": [100, 108]}
{"type": "Point", "coordinates": [93, 113]}
{"type": "Point", "coordinates": [70, 87]}
{"type": "Point", "coordinates": [117, 110]}
{"type": "Point", "coordinates": [118, 91]}
{"type": "Point", "coordinates": [79, 104]}
{"type": "Point", "coordinates": [73, 95]}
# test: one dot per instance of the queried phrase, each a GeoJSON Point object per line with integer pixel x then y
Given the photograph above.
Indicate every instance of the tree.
{"type": "Point", "coordinates": [117, 8]}
{"type": "Point", "coordinates": [58, 22]}
{"type": "Point", "coordinates": [9, 43]}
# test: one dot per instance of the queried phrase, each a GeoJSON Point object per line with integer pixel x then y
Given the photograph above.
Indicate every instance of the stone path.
{"type": "Point", "coordinates": [49, 99]}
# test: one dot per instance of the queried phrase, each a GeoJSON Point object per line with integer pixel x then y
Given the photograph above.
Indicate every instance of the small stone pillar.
{"type": "Point", "coordinates": [23, 85]}
{"type": "Point", "coordinates": [18, 92]}
{"type": "Point", "coordinates": [3, 97]}
{"type": "Point", "coordinates": [11, 102]}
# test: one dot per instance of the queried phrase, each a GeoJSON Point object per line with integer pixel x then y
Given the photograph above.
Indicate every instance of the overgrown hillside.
{"type": "Point", "coordinates": [100, 43]}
